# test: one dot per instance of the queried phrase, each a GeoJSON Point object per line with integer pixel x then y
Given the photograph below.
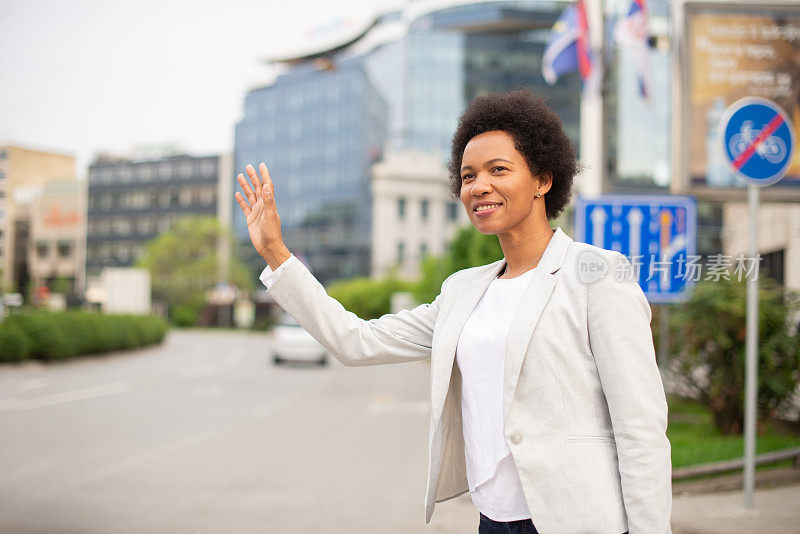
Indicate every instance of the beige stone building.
{"type": "Point", "coordinates": [42, 220]}
{"type": "Point", "coordinates": [412, 212]}
{"type": "Point", "coordinates": [778, 238]}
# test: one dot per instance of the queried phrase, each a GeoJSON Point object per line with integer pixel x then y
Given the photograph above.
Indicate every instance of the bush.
{"type": "Point", "coordinates": [366, 297]}
{"type": "Point", "coordinates": [62, 335]}
{"type": "Point", "coordinates": [14, 344]}
{"type": "Point", "coordinates": [710, 330]}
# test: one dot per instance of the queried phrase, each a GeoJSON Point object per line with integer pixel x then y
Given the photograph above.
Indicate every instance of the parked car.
{"type": "Point", "coordinates": [291, 343]}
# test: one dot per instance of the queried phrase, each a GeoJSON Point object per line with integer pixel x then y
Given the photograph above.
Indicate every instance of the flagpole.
{"type": "Point", "coordinates": [592, 180]}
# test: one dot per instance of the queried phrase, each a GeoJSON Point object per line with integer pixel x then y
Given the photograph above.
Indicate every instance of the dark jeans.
{"type": "Point", "coordinates": [489, 526]}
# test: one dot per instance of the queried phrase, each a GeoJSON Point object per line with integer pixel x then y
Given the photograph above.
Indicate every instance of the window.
{"type": "Point", "coordinates": [125, 173]}
{"type": "Point", "coordinates": [208, 167]}
{"type": "Point", "coordinates": [165, 198]}
{"type": "Point", "coordinates": [42, 248]}
{"type": "Point", "coordinates": [423, 209]}
{"type": "Point", "coordinates": [164, 170]}
{"type": "Point", "coordinates": [144, 173]}
{"type": "Point", "coordinates": [401, 208]}
{"type": "Point", "coordinates": [145, 225]}
{"type": "Point", "coordinates": [185, 169]}
{"type": "Point", "coordinates": [185, 196]}
{"type": "Point", "coordinates": [207, 196]}
{"type": "Point", "coordinates": [452, 210]}
{"type": "Point", "coordinates": [423, 250]}
{"type": "Point", "coordinates": [122, 226]}
{"type": "Point", "coordinates": [64, 249]}
{"type": "Point", "coordinates": [401, 248]}
{"type": "Point", "coordinates": [771, 265]}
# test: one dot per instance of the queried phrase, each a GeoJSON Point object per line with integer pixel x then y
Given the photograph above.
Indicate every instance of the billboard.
{"type": "Point", "coordinates": [727, 51]}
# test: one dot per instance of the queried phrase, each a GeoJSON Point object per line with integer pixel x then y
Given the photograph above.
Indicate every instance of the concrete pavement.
{"type": "Point", "coordinates": [776, 511]}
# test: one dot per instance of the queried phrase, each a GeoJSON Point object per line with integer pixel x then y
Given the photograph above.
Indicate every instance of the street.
{"type": "Point", "coordinates": [203, 434]}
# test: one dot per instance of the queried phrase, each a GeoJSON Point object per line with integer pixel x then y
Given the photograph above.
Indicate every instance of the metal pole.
{"type": "Point", "coordinates": [751, 360]}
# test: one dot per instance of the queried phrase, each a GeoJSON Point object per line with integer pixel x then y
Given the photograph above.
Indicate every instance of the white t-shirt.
{"type": "Point", "coordinates": [494, 482]}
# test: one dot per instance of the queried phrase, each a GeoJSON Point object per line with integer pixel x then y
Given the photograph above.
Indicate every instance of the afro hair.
{"type": "Point", "coordinates": [538, 137]}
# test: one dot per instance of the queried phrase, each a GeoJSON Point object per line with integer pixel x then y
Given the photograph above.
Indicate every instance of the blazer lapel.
{"type": "Point", "coordinates": [466, 298]}
{"type": "Point", "coordinates": [527, 315]}
{"type": "Point", "coordinates": [534, 299]}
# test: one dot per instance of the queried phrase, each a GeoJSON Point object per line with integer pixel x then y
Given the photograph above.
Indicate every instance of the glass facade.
{"type": "Point", "coordinates": [318, 132]}
{"type": "Point", "coordinates": [131, 202]}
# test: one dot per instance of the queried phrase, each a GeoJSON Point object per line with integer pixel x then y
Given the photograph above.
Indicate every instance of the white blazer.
{"type": "Point", "coordinates": [585, 414]}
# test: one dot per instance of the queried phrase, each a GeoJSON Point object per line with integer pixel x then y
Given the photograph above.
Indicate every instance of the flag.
{"type": "Point", "coordinates": [568, 48]}
{"type": "Point", "coordinates": [631, 33]}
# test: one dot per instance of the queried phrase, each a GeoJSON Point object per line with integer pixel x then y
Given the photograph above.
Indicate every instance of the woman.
{"type": "Point", "coordinates": [546, 401]}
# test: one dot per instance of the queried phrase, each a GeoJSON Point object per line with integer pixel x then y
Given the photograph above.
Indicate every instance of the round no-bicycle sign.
{"type": "Point", "coordinates": [759, 140]}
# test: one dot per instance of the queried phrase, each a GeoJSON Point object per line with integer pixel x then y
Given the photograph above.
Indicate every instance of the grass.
{"type": "Point", "coordinates": [695, 440]}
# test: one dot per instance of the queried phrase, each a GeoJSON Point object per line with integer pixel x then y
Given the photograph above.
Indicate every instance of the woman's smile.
{"type": "Point", "coordinates": [484, 209]}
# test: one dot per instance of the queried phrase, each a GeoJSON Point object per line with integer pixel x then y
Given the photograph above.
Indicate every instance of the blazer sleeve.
{"type": "Point", "coordinates": [622, 345]}
{"type": "Point", "coordinates": [393, 338]}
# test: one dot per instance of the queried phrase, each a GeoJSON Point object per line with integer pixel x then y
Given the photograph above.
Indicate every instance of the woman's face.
{"type": "Point", "coordinates": [497, 187]}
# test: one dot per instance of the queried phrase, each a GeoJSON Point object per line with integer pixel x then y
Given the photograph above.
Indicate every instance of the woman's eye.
{"type": "Point", "coordinates": [500, 167]}
{"type": "Point", "coordinates": [466, 176]}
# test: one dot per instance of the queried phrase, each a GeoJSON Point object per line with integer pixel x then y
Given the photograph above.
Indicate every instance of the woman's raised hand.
{"type": "Point", "coordinates": [263, 222]}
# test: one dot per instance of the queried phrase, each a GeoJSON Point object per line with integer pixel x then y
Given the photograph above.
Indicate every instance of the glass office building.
{"type": "Point", "coordinates": [402, 79]}
{"type": "Point", "coordinates": [318, 132]}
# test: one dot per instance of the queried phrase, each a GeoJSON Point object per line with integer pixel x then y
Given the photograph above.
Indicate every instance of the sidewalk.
{"type": "Point", "coordinates": [775, 511]}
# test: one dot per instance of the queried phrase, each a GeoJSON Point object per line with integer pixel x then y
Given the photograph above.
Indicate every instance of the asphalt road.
{"type": "Point", "coordinates": [205, 434]}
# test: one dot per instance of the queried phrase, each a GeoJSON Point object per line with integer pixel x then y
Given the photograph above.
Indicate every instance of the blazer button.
{"type": "Point", "coordinates": [516, 438]}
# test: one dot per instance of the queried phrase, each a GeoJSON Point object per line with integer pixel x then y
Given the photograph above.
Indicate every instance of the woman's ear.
{"type": "Point", "coordinates": [545, 182]}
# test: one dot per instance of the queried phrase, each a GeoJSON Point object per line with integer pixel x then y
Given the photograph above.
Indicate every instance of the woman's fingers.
{"type": "Point", "coordinates": [251, 172]}
{"type": "Point", "coordinates": [242, 203]}
{"type": "Point", "coordinates": [251, 197]}
{"type": "Point", "coordinates": [267, 190]}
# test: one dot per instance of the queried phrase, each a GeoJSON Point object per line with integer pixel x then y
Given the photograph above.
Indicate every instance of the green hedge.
{"type": "Point", "coordinates": [62, 335]}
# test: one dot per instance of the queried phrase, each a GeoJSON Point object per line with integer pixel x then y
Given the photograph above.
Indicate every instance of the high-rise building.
{"type": "Point", "coordinates": [131, 201]}
{"type": "Point", "coordinates": [398, 79]}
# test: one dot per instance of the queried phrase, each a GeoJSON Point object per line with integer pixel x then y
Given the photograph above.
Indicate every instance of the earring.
{"type": "Point", "coordinates": [538, 195]}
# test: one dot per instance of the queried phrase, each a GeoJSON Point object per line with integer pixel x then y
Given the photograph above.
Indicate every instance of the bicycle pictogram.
{"type": "Point", "coordinates": [773, 148]}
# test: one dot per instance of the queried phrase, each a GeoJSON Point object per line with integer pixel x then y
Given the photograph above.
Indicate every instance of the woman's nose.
{"type": "Point", "coordinates": [480, 186]}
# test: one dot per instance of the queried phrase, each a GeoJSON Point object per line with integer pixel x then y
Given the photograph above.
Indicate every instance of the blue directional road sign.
{"type": "Point", "coordinates": [759, 140]}
{"type": "Point", "coordinates": [658, 234]}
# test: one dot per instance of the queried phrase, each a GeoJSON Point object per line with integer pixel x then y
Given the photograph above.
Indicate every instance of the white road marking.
{"type": "Point", "coordinates": [64, 397]}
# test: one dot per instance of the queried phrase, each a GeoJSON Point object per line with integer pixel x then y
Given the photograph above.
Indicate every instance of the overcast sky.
{"type": "Point", "coordinates": [80, 76]}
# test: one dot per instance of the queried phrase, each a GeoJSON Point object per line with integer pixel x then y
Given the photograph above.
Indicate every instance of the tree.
{"type": "Point", "coordinates": [183, 266]}
{"type": "Point", "coordinates": [710, 330]}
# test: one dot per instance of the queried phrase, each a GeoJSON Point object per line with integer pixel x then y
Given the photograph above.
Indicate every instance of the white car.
{"type": "Point", "coordinates": [291, 343]}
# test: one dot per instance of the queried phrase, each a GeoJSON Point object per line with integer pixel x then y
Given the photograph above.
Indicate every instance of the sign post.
{"type": "Point", "coordinates": [758, 143]}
